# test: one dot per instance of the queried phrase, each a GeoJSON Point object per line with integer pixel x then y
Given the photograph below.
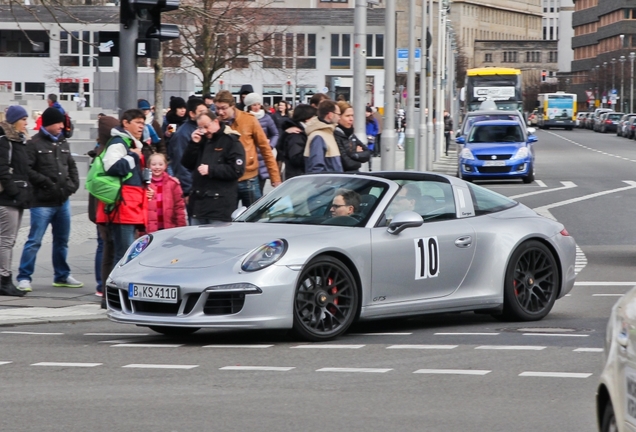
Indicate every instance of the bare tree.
{"type": "Point", "coordinates": [220, 35]}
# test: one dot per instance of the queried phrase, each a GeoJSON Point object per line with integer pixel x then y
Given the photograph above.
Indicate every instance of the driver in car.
{"type": "Point", "coordinates": [406, 200]}
{"type": "Point", "coordinates": [346, 202]}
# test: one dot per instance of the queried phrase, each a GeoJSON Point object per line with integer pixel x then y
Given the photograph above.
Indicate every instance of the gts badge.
{"type": "Point", "coordinates": [379, 299]}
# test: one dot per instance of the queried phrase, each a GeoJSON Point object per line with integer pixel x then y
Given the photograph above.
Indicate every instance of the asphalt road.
{"type": "Point", "coordinates": [451, 372]}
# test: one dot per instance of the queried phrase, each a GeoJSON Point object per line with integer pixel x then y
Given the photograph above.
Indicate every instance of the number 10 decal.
{"type": "Point", "coordinates": [426, 258]}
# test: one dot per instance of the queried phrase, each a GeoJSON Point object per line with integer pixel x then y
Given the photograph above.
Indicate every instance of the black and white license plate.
{"type": "Point", "coordinates": [153, 293]}
{"type": "Point", "coordinates": [494, 163]}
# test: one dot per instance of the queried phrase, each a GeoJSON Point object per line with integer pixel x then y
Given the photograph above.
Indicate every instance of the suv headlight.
{"type": "Point", "coordinates": [467, 154]}
{"type": "Point", "coordinates": [264, 256]}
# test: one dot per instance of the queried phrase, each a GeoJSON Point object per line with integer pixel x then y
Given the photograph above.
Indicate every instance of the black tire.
{"type": "Point", "coordinates": [325, 300]}
{"type": "Point", "coordinates": [531, 284]}
{"type": "Point", "coordinates": [530, 177]}
{"type": "Point", "coordinates": [608, 423]}
{"type": "Point", "coordinates": [174, 331]}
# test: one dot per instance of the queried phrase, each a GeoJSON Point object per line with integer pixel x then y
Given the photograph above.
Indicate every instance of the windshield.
{"type": "Point", "coordinates": [319, 200]}
{"type": "Point", "coordinates": [495, 134]}
{"type": "Point", "coordinates": [615, 116]}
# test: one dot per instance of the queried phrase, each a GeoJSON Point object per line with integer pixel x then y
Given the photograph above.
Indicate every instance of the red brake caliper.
{"type": "Point", "coordinates": [333, 291]}
{"type": "Point", "coordinates": [514, 284]}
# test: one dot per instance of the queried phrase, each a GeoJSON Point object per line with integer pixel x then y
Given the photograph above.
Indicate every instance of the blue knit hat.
{"type": "Point", "coordinates": [15, 113]}
{"type": "Point", "coordinates": [143, 104]}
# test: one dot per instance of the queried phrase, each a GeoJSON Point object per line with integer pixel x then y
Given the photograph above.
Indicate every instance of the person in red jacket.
{"type": "Point", "coordinates": [166, 207]}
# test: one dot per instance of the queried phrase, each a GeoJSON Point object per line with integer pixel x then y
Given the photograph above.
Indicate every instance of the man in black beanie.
{"type": "Point", "coordinates": [54, 176]}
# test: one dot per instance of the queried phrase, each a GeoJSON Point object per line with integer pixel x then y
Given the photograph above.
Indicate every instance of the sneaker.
{"type": "Point", "coordinates": [24, 285]}
{"type": "Point", "coordinates": [99, 294]}
{"type": "Point", "coordinates": [70, 282]}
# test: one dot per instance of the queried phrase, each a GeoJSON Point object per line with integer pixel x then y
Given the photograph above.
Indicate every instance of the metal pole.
{"type": "Point", "coordinates": [613, 80]}
{"type": "Point", "coordinates": [622, 60]}
{"type": "Point", "coordinates": [359, 69]}
{"type": "Point", "coordinates": [409, 147]}
{"type": "Point", "coordinates": [128, 66]}
{"type": "Point", "coordinates": [422, 148]}
{"type": "Point", "coordinates": [389, 140]}
{"type": "Point", "coordinates": [441, 31]}
{"type": "Point", "coordinates": [632, 56]}
{"type": "Point", "coordinates": [429, 122]}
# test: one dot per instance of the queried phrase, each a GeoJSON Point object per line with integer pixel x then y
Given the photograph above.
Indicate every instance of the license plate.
{"type": "Point", "coordinates": [153, 293]}
{"type": "Point", "coordinates": [495, 163]}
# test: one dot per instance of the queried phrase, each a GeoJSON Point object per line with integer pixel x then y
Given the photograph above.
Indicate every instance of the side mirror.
{"type": "Point", "coordinates": [404, 220]}
{"type": "Point", "coordinates": [531, 131]}
{"type": "Point", "coordinates": [458, 133]}
{"type": "Point", "coordinates": [460, 140]}
{"type": "Point", "coordinates": [532, 139]}
{"type": "Point", "coordinates": [239, 211]}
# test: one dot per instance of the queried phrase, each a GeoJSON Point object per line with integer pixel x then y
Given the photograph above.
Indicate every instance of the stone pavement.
{"type": "Point", "coordinates": [49, 304]}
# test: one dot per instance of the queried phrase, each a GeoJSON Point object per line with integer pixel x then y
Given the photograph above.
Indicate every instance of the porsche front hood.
{"type": "Point", "coordinates": [211, 245]}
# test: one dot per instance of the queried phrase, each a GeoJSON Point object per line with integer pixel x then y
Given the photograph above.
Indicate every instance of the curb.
{"type": "Point", "coordinates": [41, 315]}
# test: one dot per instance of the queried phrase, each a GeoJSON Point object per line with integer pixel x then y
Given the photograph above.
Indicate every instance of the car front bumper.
{"type": "Point", "coordinates": [509, 169]}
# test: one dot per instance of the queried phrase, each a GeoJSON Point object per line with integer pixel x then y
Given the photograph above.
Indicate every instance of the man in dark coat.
{"type": "Point", "coordinates": [53, 174]}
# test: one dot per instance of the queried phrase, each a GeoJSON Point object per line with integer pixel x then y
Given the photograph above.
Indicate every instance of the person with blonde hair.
{"type": "Point", "coordinates": [353, 152]}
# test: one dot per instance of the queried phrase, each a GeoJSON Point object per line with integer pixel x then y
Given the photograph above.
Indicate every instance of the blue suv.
{"type": "Point", "coordinates": [496, 149]}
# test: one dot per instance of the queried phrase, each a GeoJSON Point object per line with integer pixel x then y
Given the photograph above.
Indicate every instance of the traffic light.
{"type": "Point", "coordinates": [151, 31]}
{"type": "Point", "coordinates": [544, 75]}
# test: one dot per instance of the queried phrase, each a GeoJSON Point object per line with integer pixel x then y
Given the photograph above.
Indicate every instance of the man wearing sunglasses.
{"type": "Point", "coordinates": [321, 152]}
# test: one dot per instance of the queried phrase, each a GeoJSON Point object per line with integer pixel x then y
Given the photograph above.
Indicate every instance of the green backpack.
{"type": "Point", "coordinates": [102, 186]}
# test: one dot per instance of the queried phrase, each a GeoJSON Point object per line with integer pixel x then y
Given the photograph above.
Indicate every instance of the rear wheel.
{"type": "Point", "coordinates": [531, 284]}
{"type": "Point", "coordinates": [608, 424]}
{"type": "Point", "coordinates": [325, 301]}
{"type": "Point", "coordinates": [174, 331]}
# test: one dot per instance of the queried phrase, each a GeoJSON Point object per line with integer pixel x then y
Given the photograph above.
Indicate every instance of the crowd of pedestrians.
{"type": "Point", "coordinates": [194, 165]}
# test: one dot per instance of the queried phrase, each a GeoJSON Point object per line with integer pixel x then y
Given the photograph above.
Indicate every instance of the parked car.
{"type": "Point", "coordinates": [610, 122]}
{"type": "Point", "coordinates": [496, 149]}
{"type": "Point", "coordinates": [596, 120]}
{"type": "Point", "coordinates": [533, 118]}
{"type": "Point", "coordinates": [621, 128]}
{"type": "Point", "coordinates": [579, 119]}
{"type": "Point", "coordinates": [630, 128]}
{"type": "Point", "coordinates": [589, 121]}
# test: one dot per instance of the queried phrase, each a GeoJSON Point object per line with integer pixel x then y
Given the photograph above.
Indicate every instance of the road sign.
{"type": "Point", "coordinates": [402, 65]}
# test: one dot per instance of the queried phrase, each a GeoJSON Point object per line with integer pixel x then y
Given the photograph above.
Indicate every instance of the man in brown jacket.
{"type": "Point", "coordinates": [253, 138]}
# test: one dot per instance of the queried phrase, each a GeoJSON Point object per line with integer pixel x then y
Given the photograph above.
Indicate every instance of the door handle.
{"type": "Point", "coordinates": [464, 242]}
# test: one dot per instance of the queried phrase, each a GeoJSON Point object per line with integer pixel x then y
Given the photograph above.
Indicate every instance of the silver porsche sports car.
{"type": "Point", "coordinates": [322, 251]}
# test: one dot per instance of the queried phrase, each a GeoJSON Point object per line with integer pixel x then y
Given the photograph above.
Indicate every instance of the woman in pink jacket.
{"type": "Point", "coordinates": [166, 207]}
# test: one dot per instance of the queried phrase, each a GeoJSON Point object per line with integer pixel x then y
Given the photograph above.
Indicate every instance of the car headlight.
{"type": "Point", "coordinates": [522, 153]}
{"type": "Point", "coordinates": [137, 247]}
{"type": "Point", "coordinates": [466, 154]}
{"type": "Point", "coordinates": [264, 255]}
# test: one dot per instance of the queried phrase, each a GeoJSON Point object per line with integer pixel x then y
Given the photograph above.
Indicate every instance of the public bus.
{"type": "Point", "coordinates": [498, 84]}
{"type": "Point", "coordinates": [557, 110]}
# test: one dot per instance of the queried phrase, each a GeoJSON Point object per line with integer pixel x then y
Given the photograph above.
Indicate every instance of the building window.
{"type": "Point", "coordinates": [487, 58]}
{"type": "Point", "coordinates": [510, 57]}
{"type": "Point", "coordinates": [334, 1]}
{"type": "Point", "coordinates": [31, 87]}
{"type": "Point", "coordinates": [14, 43]}
{"type": "Point", "coordinates": [290, 51]}
{"type": "Point", "coordinates": [533, 57]}
{"type": "Point", "coordinates": [553, 57]}
{"type": "Point", "coordinates": [375, 51]}
{"type": "Point", "coordinates": [630, 13]}
{"type": "Point", "coordinates": [79, 49]}
{"type": "Point", "coordinates": [340, 51]}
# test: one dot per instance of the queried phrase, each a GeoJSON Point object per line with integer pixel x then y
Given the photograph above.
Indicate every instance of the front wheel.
{"type": "Point", "coordinates": [174, 331]}
{"type": "Point", "coordinates": [325, 301]}
{"type": "Point", "coordinates": [531, 284]}
{"type": "Point", "coordinates": [608, 424]}
{"type": "Point", "coordinates": [530, 177]}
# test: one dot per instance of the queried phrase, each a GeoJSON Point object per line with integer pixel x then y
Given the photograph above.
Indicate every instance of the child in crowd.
{"type": "Point", "coordinates": [166, 207]}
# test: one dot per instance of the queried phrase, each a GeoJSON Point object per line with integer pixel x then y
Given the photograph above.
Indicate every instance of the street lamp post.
{"type": "Point", "coordinates": [597, 83]}
{"type": "Point", "coordinates": [613, 79]}
{"type": "Point", "coordinates": [604, 84]}
{"type": "Point", "coordinates": [622, 60]}
{"type": "Point", "coordinates": [632, 56]}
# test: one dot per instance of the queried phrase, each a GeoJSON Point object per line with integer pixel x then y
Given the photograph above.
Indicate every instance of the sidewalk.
{"type": "Point", "coordinates": [48, 304]}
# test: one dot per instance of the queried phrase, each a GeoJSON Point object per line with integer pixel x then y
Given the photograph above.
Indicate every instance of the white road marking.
{"type": "Point", "coordinates": [608, 295]}
{"type": "Point", "coordinates": [380, 334]}
{"type": "Point", "coordinates": [433, 347]}
{"type": "Point", "coordinates": [257, 368]}
{"type": "Point", "coordinates": [159, 366]}
{"type": "Point", "coordinates": [600, 283]}
{"type": "Point", "coordinates": [116, 334]}
{"type": "Point", "coordinates": [540, 183]}
{"type": "Point", "coordinates": [117, 341]}
{"type": "Point", "coordinates": [554, 334]}
{"type": "Point", "coordinates": [452, 371]}
{"type": "Point", "coordinates": [59, 364]}
{"type": "Point", "coordinates": [588, 350]}
{"type": "Point", "coordinates": [329, 346]}
{"type": "Point", "coordinates": [134, 345]}
{"type": "Point", "coordinates": [511, 347]}
{"type": "Point", "coordinates": [466, 334]}
{"type": "Point", "coordinates": [237, 346]}
{"type": "Point", "coordinates": [4, 362]}
{"type": "Point", "coordinates": [566, 185]}
{"type": "Point", "coordinates": [555, 374]}
{"type": "Point", "coordinates": [354, 370]}
{"type": "Point", "coordinates": [32, 333]}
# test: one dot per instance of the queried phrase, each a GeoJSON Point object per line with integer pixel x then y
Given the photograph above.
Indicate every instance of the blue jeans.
{"type": "Point", "coordinates": [249, 191]}
{"type": "Point", "coordinates": [123, 236]}
{"type": "Point", "coordinates": [60, 220]}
